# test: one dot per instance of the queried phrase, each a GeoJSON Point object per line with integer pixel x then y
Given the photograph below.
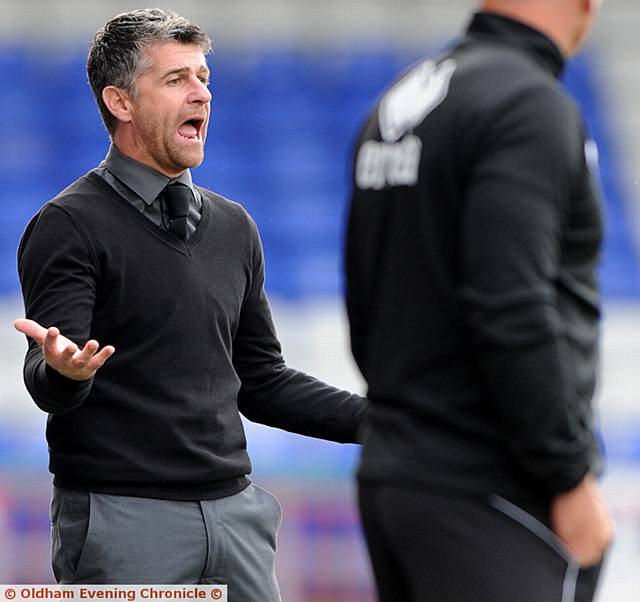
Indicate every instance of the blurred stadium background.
{"type": "Point", "coordinates": [292, 80]}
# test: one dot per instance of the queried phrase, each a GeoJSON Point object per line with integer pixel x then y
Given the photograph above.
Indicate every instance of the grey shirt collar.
{"type": "Point", "coordinates": [145, 181]}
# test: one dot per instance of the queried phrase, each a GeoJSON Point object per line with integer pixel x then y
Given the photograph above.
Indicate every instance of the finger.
{"type": "Point", "coordinates": [54, 346]}
{"type": "Point", "coordinates": [50, 343]}
{"type": "Point", "coordinates": [102, 356]}
{"type": "Point", "coordinates": [87, 352]}
{"type": "Point", "coordinates": [68, 351]}
{"type": "Point", "coordinates": [31, 328]}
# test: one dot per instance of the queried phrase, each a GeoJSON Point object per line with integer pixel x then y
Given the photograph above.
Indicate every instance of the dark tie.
{"type": "Point", "coordinates": [177, 197]}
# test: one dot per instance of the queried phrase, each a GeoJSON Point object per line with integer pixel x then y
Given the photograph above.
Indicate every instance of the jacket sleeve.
{"type": "Point", "coordinates": [272, 393]}
{"type": "Point", "coordinates": [527, 168]}
{"type": "Point", "coordinates": [58, 280]}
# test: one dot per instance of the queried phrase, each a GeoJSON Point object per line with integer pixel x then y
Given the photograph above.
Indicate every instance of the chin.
{"type": "Point", "coordinates": [186, 161]}
{"type": "Point", "coordinates": [196, 161]}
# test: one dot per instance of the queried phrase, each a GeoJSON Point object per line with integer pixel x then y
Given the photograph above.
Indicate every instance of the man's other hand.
{"type": "Point", "coordinates": [581, 520]}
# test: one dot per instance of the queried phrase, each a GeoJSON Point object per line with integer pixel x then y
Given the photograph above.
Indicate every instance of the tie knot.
{"type": "Point", "coordinates": [177, 197]}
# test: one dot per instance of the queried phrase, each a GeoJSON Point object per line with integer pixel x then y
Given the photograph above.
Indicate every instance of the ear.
{"type": "Point", "coordinates": [118, 102]}
{"type": "Point", "coordinates": [590, 6]}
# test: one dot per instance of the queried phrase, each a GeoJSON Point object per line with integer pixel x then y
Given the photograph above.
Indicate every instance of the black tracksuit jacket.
{"type": "Point", "coordinates": [473, 240]}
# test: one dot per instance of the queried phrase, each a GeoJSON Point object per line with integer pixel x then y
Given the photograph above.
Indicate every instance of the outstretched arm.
{"type": "Point", "coordinates": [64, 355]}
{"type": "Point", "coordinates": [278, 396]}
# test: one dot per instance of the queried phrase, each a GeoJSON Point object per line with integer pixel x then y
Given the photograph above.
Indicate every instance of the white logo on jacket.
{"type": "Point", "coordinates": [382, 164]}
{"type": "Point", "coordinates": [395, 161]}
{"type": "Point", "coordinates": [407, 103]}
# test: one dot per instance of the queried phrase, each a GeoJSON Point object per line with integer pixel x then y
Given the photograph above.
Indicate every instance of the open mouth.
{"type": "Point", "coordinates": [191, 129]}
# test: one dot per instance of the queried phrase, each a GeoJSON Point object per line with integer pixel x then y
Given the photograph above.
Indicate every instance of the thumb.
{"type": "Point", "coordinates": [31, 328]}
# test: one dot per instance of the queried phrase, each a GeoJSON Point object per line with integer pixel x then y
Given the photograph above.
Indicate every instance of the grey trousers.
{"type": "Point", "coordinates": [107, 539]}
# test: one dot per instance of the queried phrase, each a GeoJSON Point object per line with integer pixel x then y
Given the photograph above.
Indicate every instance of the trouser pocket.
{"type": "Point", "coordinates": [70, 513]}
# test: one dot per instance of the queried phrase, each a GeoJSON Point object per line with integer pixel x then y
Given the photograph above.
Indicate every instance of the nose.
{"type": "Point", "coordinates": [200, 93]}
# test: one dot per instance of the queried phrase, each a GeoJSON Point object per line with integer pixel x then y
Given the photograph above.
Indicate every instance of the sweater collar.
{"type": "Point", "coordinates": [516, 33]}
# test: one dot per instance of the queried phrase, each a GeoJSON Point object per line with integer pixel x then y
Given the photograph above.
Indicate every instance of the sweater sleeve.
{"type": "Point", "coordinates": [272, 393]}
{"type": "Point", "coordinates": [511, 244]}
{"type": "Point", "coordinates": [58, 279]}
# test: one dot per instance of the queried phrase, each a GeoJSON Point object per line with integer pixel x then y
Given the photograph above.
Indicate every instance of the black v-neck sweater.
{"type": "Point", "coordinates": [195, 345]}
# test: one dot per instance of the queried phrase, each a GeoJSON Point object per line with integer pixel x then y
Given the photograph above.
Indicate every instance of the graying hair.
{"type": "Point", "coordinates": [117, 57]}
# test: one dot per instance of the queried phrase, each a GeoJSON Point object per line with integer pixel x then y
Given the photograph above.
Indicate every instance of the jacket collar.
{"type": "Point", "coordinates": [515, 33]}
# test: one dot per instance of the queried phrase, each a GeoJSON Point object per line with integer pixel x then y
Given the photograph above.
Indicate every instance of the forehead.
{"type": "Point", "coordinates": [167, 55]}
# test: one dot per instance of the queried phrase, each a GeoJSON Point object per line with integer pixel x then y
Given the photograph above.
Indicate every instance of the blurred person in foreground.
{"type": "Point", "coordinates": [145, 437]}
{"type": "Point", "coordinates": [473, 239]}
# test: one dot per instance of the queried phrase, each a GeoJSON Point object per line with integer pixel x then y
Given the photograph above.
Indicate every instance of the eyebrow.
{"type": "Point", "coordinates": [179, 70]}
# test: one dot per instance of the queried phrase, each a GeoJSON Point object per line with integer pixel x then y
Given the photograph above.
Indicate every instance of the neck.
{"type": "Point", "coordinates": [559, 20]}
{"type": "Point", "coordinates": [128, 145]}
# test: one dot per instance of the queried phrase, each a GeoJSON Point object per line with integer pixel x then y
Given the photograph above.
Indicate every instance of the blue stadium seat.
{"type": "Point", "coordinates": [283, 124]}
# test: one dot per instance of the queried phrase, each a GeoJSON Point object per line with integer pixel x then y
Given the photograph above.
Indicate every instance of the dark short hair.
{"type": "Point", "coordinates": [116, 55]}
